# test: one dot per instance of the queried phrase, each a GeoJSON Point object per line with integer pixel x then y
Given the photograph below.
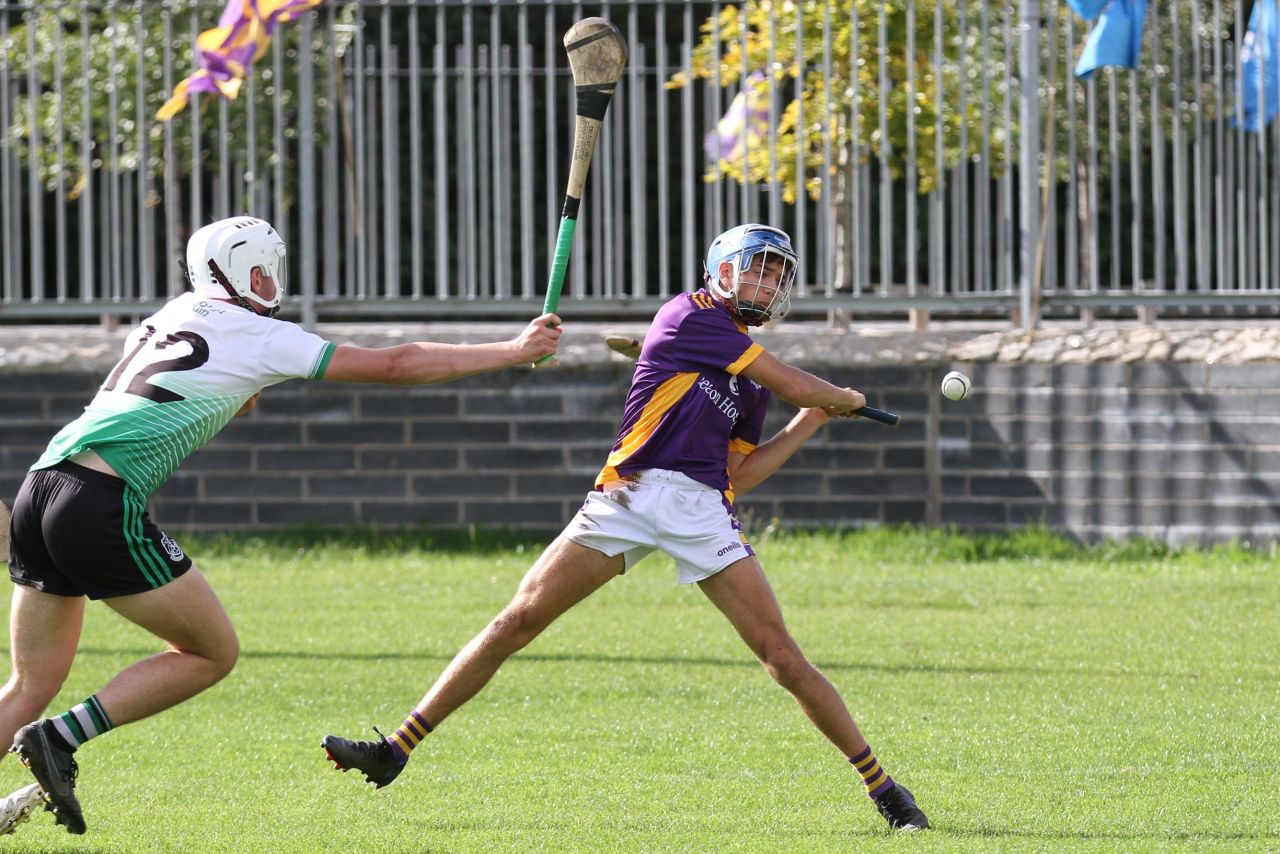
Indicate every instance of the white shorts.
{"type": "Point", "coordinates": [666, 511]}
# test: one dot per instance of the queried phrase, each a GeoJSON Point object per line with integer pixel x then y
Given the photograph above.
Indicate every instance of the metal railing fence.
{"type": "Point", "coordinates": [414, 156]}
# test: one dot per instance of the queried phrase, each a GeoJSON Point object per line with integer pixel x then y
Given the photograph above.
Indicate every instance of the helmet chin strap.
{"type": "Point", "coordinates": [220, 278]}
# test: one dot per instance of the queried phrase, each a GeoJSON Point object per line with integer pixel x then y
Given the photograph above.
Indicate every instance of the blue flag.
{"type": "Point", "coordinates": [1117, 37]}
{"type": "Point", "coordinates": [1260, 67]}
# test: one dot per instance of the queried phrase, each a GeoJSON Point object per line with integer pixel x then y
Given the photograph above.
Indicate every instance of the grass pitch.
{"type": "Point", "coordinates": [1035, 696]}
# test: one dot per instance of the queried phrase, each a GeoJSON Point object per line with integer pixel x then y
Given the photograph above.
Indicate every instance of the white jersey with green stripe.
{"type": "Point", "coordinates": [186, 371]}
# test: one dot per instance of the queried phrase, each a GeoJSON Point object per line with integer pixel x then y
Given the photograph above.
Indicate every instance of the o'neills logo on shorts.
{"type": "Point", "coordinates": [174, 550]}
{"type": "Point", "coordinates": [724, 551]}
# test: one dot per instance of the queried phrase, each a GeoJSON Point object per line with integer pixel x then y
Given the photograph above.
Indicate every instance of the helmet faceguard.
{"type": "Point", "coordinates": [222, 256]}
{"type": "Point", "coordinates": [763, 261]}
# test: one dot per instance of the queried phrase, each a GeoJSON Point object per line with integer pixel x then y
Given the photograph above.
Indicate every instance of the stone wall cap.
{"type": "Point", "coordinates": [84, 348]}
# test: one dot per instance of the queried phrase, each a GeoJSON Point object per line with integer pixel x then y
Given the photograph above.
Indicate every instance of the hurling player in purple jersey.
{"type": "Point", "coordinates": [690, 439]}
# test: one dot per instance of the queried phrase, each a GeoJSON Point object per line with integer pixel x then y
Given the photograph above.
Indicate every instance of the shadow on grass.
{"type": "Point", "coordinates": [703, 661]}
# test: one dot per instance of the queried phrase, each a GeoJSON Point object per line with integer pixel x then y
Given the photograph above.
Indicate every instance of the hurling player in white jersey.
{"type": "Point", "coordinates": [80, 528]}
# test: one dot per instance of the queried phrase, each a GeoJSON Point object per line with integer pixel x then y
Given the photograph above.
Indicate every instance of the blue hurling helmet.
{"type": "Point", "coordinates": [739, 247]}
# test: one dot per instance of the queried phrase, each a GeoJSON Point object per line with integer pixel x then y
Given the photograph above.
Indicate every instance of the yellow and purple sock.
{"type": "Point", "coordinates": [407, 737]}
{"type": "Point", "coordinates": [873, 776]}
{"type": "Point", "coordinates": [75, 726]}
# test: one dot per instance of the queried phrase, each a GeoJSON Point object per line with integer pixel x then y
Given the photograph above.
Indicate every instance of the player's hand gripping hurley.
{"type": "Point", "coordinates": [597, 54]}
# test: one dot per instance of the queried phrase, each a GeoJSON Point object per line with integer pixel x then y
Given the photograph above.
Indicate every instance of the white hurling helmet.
{"type": "Point", "coordinates": [221, 255]}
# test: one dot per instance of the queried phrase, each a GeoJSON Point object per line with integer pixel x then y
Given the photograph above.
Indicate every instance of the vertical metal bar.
{"type": "Point", "coordinates": [525, 146]}
{"type": "Point", "coordinates": [307, 169]}
{"type": "Point", "coordinates": [826, 217]}
{"type": "Point", "coordinates": [114, 199]}
{"type": "Point", "coordinates": [8, 267]}
{"type": "Point", "coordinates": [715, 109]}
{"type": "Point", "coordinates": [550, 137]}
{"type": "Point", "coordinates": [278, 213]}
{"type": "Point", "coordinates": [1073, 152]}
{"type": "Point", "coordinates": [443, 222]}
{"type": "Point", "coordinates": [34, 188]}
{"type": "Point", "coordinates": [775, 185]}
{"type": "Point", "coordinates": [1260, 191]}
{"type": "Point", "coordinates": [1005, 239]}
{"type": "Point", "coordinates": [1048, 253]}
{"type": "Point", "coordinates": [1180, 248]}
{"type": "Point", "coordinates": [1135, 184]}
{"type": "Point", "coordinates": [390, 161]}
{"type": "Point", "coordinates": [689, 251]}
{"type": "Point", "coordinates": [1095, 278]}
{"type": "Point", "coordinates": [146, 287]}
{"type": "Point", "coordinates": [172, 205]}
{"type": "Point", "coordinates": [482, 171]}
{"type": "Point", "coordinates": [913, 182]}
{"type": "Point", "coordinates": [415, 154]}
{"type": "Point", "coordinates": [1157, 161]}
{"type": "Point", "coordinates": [962, 233]}
{"type": "Point", "coordinates": [638, 172]}
{"type": "Point", "coordinates": [886, 185]}
{"type": "Point", "coordinates": [982, 209]}
{"type": "Point", "coordinates": [1241, 277]}
{"type": "Point", "coordinates": [937, 198]}
{"type": "Point", "coordinates": [1200, 185]}
{"type": "Point", "coordinates": [802, 144]}
{"type": "Point", "coordinates": [855, 252]}
{"type": "Point", "coordinates": [663, 145]}
{"type": "Point", "coordinates": [89, 282]}
{"type": "Point", "coordinates": [59, 196]}
{"type": "Point", "coordinates": [744, 83]}
{"type": "Point", "coordinates": [365, 212]}
{"type": "Point", "coordinates": [1029, 155]}
{"type": "Point", "coordinates": [467, 155]}
{"type": "Point", "coordinates": [334, 256]}
{"type": "Point", "coordinates": [1221, 207]}
{"type": "Point", "coordinates": [224, 161]}
{"type": "Point", "coordinates": [1113, 146]}
{"type": "Point", "coordinates": [371, 168]}
{"type": "Point", "coordinates": [249, 184]}
{"type": "Point", "coordinates": [505, 198]}
{"type": "Point", "coordinates": [497, 288]}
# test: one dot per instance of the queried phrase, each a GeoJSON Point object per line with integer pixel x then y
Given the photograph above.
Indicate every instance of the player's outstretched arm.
{"type": "Point", "coordinates": [747, 471]}
{"type": "Point", "coordinates": [426, 362]}
{"type": "Point", "coordinates": [801, 388]}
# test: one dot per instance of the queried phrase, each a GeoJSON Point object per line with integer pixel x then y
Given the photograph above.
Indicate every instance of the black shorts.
{"type": "Point", "coordinates": [78, 532]}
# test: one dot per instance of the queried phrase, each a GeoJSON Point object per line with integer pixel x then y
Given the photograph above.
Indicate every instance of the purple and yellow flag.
{"type": "Point", "coordinates": [226, 52]}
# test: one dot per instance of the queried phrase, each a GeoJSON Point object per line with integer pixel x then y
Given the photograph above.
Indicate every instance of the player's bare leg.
{"type": "Point", "coordinates": [564, 575]}
{"type": "Point", "coordinates": [44, 631]}
{"type": "Point", "coordinates": [743, 594]}
{"type": "Point", "coordinates": [187, 615]}
{"type": "Point", "coordinates": [202, 649]}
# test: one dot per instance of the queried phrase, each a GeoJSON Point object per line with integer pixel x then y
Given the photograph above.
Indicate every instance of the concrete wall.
{"type": "Point", "coordinates": [1173, 450]}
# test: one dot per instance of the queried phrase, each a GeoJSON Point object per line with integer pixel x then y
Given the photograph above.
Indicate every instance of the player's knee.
{"type": "Point", "coordinates": [36, 689]}
{"type": "Point", "coordinates": [228, 655]}
{"type": "Point", "coordinates": [786, 663]}
{"type": "Point", "coordinates": [518, 624]}
{"type": "Point", "coordinates": [222, 656]}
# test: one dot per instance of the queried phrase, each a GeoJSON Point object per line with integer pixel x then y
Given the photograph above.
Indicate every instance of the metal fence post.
{"type": "Point", "coordinates": [1029, 159]}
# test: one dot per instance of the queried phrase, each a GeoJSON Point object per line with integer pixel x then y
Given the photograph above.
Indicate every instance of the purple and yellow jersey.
{"type": "Point", "coordinates": [687, 406]}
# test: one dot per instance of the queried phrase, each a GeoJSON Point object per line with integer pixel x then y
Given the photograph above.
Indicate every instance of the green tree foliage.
{"type": "Point", "coordinates": [761, 35]}
{"type": "Point", "coordinates": [125, 46]}
{"type": "Point", "coordinates": [1174, 75]}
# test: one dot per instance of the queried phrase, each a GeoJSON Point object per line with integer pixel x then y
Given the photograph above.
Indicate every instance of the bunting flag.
{"type": "Point", "coordinates": [1260, 68]}
{"type": "Point", "coordinates": [1116, 39]}
{"type": "Point", "coordinates": [747, 116]}
{"type": "Point", "coordinates": [226, 52]}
